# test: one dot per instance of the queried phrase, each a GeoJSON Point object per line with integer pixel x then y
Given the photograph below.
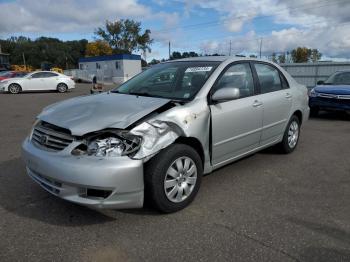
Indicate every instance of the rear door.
{"type": "Point", "coordinates": [276, 98]}
{"type": "Point", "coordinates": [236, 124]}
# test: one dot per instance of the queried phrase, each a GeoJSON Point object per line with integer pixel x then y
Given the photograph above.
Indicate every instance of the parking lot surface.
{"type": "Point", "coordinates": [266, 207]}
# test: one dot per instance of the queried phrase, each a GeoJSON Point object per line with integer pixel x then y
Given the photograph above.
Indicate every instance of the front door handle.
{"type": "Point", "coordinates": [257, 103]}
{"type": "Point", "coordinates": [288, 95]}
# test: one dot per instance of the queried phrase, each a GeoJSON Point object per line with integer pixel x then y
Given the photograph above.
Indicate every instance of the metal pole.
{"type": "Point", "coordinates": [169, 50]}
{"type": "Point", "coordinates": [230, 48]}
{"type": "Point", "coordinates": [260, 47]}
{"type": "Point", "coordinates": [24, 61]}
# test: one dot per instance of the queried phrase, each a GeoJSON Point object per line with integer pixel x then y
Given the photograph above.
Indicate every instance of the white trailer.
{"type": "Point", "coordinates": [108, 69]}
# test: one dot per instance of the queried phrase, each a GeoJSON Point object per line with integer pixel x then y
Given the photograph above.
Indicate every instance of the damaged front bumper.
{"type": "Point", "coordinates": [111, 182]}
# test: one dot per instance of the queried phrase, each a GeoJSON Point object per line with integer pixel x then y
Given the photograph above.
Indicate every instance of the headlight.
{"type": "Point", "coordinates": [313, 93]}
{"type": "Point", "coordinates": [3, 82]}
{"type": "Point", "coordinates": [110, 144]}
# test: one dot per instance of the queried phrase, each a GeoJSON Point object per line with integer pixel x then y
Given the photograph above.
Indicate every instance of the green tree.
{"type": "Point", "coordinates": [43, 49]}
{"type": "Point", "coordinates": [315, 55]}
{"type": "Point", "coordinates": [282, 58]}
{"type": "Point", "coordinates": [125, 36]}
{"type": "Point", "coordinates": [175, 55]}
{"type": "Point", "coordinates": [273, 57]}
{"type": "Point", "coordinates": [154, 62]}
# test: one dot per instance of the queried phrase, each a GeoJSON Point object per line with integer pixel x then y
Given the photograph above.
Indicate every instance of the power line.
{"type": "Point", "coordinates": [263, 31]}
{"type": "Point", "coordinates": [259, 38]}
{"type": "Point", "coordinates": [279, 11]}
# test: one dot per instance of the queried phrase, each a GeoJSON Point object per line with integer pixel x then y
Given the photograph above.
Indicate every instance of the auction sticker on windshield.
{"type": "Point", "coordinates": [199, 69]}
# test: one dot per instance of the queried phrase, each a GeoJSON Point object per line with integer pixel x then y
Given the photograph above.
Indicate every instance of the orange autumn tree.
{"type": "Point", "coordinates": [98, 48]}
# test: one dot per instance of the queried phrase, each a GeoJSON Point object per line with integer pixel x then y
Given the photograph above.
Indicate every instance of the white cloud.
{"type": "Point", "coordinates": [333, 42]}
{"type": "Point", "coordinates": [71, 16]}
{"type": "Point", "coordinates": [315, 24]}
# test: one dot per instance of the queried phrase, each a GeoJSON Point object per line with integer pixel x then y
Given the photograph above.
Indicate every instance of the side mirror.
{"type": "Point", "coordinates": [320, 82]}
{"type": "Point", "coordinates": [225, 94]}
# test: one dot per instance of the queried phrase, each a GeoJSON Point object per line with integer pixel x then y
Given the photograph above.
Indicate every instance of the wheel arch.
{"type": "Point", "coordinates": [299, 115]}
{"type": "Point", "coordinates": [62, 83]}
{"type": "Point", "coordinates": [194, 143]}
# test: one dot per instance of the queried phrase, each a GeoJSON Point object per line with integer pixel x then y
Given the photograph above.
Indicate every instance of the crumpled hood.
{"type": "Point", "coordinates": [333, 89]}
{"type": "Point", "coordinates": [86, 114]}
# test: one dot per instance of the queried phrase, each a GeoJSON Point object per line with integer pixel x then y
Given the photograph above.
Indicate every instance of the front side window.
{"type": "Point", "coordinates": [237, 76]}
{"type": "Point", "coordinates": [341, 78]}
{"type": "Point", "coordinates": [269, 78]}
{"type": "Point", "coordinates": [37, 75]}
{"type": "Point", "coordinates": [174, 80]}
{"type": "Point", "coordinates": [48, 74]}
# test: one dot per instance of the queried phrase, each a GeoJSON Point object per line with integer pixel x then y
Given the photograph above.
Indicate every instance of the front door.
{"type": "Point", "coordinates": [35, 82]}
{"type": "Point", "coordinates": [236, 124]}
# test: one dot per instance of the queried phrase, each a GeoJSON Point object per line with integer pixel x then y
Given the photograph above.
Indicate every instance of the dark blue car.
{"type": "Point", "coordinates": [332, 94]}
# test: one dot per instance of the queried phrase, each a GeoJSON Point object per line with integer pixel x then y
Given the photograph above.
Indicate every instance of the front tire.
{"type": "Point", "coordinates": [173, 177]}
{"type": "Point", "coordinates": [291, 135]}
{"type": "Point", "coordinates": [62, 88]}
{"type": "Point", "coordinates": [14, 89]}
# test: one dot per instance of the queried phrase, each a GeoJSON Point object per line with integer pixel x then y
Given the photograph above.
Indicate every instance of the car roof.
{"type": "Point", "coordinates": [217, 59]}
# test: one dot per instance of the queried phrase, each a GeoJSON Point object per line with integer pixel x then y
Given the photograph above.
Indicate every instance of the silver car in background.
{"type": "Point", "coordinates": [152, 138]}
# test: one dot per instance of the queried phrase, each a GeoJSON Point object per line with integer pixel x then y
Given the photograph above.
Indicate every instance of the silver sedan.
{"type": "Point", "coordinates": [152, 138]}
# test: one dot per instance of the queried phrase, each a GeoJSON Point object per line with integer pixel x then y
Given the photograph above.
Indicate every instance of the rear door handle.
{"type": "Point", "coordinates": [288, 95]}
{"type": "Point", "coordinates": [257, 103]}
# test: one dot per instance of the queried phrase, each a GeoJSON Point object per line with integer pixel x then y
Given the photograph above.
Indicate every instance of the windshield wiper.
{"type": "Point", "coordinates": [141, 94]}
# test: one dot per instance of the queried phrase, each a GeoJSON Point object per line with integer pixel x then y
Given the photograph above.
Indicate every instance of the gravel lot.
{"type": "Point", "coordinates": [266, 207]}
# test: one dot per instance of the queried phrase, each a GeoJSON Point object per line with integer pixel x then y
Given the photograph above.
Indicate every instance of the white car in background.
{"type": "Point", "coordinates": [38, 81]}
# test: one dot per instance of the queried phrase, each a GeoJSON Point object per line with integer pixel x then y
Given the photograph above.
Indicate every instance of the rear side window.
{"type": "Point", "coordinates": [285, 84]}
{"type": "Point", "coordinates": [269, 78]}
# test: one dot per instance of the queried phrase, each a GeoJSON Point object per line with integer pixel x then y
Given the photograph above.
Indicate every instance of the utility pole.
{"type": "Point", "coordinates": [24, 61]}
{"type": "Point", "coordinates": [230, 48]}
{"type": "Point", "coordinates": [169, 50]}
{"type": "Point", "coordinates": [260, 47]}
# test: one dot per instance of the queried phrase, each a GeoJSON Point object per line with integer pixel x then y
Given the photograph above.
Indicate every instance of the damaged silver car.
{"type": "Point", "coordinates": [152, 138]}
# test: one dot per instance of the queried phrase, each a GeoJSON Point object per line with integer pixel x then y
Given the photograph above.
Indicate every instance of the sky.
{"type": "Point", "coordinates": [204, 26]}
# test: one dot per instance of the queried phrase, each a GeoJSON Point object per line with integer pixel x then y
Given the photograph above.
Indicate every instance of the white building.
{"type": "Point", "coordinates": [109, 68]}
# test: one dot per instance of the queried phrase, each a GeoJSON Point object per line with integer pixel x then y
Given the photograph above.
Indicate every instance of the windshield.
{"type": "Point", "coordinates": [175, 80]}
{"type": "Point", "coordinates": [339, 78]}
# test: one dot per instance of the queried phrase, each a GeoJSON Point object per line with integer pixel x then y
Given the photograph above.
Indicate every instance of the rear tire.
{"type": "Point", "coordinates": [62, 88]}
{"type": "Point", "coordinates": [14, 89]}
{"type": "Point", "coordinates": [291, 136]}
{"type": "Point", "coordinates": [172, 178]}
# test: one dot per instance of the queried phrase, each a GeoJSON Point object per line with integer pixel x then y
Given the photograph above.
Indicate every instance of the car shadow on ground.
{"type": "Point", "coordinates": [24, 198]}
{"type": "Point", "coordinates": [332, 116]}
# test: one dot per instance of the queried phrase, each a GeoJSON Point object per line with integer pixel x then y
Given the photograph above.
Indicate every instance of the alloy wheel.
{"type": "Point", "coordinates": [62, 88]}
{"type": "Point", "coordinates": [293, 134]}
{"type": "Point", "coordinates": [14, 89]}
{"type": "Point", "coordinates": [180, 179]}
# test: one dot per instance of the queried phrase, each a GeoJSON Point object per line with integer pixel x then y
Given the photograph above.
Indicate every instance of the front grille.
{"type": "Point", "coordinates": [51, 137]}
{"type": "Point", "coordinates": [334, 101]}
{"type": "Point", "coordinates": [332, 96]}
